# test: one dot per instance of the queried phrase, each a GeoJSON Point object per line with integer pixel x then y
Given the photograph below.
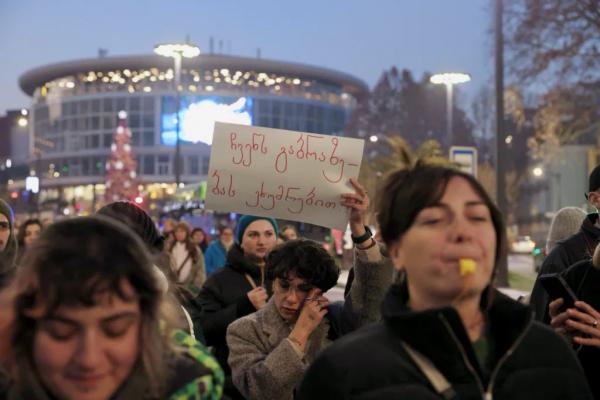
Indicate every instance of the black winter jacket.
{"type": "Point", "coordinates": [526, 360]}
{"type": "Point", "coordinates": [222, 300]}
{"type": "Point", "coordinates": [584, 279]}
{"type": "Point", "coordinates": [567, 252]}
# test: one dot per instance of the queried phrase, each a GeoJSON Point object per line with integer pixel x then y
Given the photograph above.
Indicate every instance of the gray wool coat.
{"type": "Point", "coordinates": [264, 363]}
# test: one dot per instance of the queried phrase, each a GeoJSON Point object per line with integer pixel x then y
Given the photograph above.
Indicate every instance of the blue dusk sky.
{"type": "Point", "coordinates": [361, 38]}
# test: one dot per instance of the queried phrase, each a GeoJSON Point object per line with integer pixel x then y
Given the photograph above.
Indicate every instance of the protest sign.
{"type": "Point", "coordinates": [290, 175]}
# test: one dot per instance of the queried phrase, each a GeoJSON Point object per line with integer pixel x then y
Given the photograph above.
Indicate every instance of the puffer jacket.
{"type": "Point", "coordinates": [526, 360]}
{"type": "Point", "coordinates": [567, 252]}
{"type": "Point", "coordinates": [584, 278]}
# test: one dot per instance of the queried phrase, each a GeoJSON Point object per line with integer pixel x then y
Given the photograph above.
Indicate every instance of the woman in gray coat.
{"type": "Point", "coordinates": [270, 349]}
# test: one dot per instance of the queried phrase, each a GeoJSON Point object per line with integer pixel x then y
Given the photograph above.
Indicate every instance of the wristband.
{"type": "Point", "coordinates": [362, 238]}
{"type": "Point", "coordinates": [372, 244]}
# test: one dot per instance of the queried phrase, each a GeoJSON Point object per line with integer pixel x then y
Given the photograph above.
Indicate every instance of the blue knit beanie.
{"type": "Point", "coordinates": [247, 220]}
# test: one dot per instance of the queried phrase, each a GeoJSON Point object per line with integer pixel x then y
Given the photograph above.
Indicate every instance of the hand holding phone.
{"type": "Point", "coordinates": [557, 288]}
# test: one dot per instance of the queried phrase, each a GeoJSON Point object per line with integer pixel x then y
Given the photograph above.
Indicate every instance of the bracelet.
{"type": "Point", "coordinates": [362, 238]}
{"type": "Point", "coordinates": [372, 244]}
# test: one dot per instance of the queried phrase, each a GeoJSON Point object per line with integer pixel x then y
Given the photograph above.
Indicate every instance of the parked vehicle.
{"type": "Point", "coordinates": [522, 245]}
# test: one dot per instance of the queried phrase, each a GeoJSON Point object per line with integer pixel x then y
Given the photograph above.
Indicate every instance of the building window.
{"type": "Point", "coordinates": [98, 166]}
{"type": "Point", "coordinates": [95, 123]}
{"type": "Point", "coordinates": [205, 163]}
{"type": "Point", "coordinates": [134, 120]}
{"type": "Point", "coordinates": [194, 165]}
{"type": "Point", "coordinates": [121, 104]}
{"type": "Point", "coordinates": [135, 137]}
{"type": "Point", "coordinates": [95, 141]}
{"type": "Point", "coordinates": [108, 138]}
{"type": "Point", "coordinates": [108, 105]}
{"type": "Point", "coordinates": [134, 104]}
{"type": "Point", "coordinates": [148, 138]}
{"type": "Point", "coordinates": [163, 164]}
{"type": "Point", "coordinates": [109, 122]}
{"type": "Point", "coordinates": [148, 165]}
{"type": "Point", "coordinates": [148, 104]}
{"type": "Point", "coordinates": [85, 166]}
{"type": "Point", "coordinates": [96, 105]}
{"type": "Point", "coordinates": [83, 106]}
{"type": "Point", "coordinates": [148, 121]}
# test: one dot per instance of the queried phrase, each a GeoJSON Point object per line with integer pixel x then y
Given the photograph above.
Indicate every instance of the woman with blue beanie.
{"type": "Point", "coordinates": [238, 288]}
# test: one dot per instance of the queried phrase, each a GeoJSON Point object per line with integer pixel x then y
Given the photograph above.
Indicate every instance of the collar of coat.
{"type": "Point", "coordinates": [589, 226]}
{"type": "Point", "coordinates": [277, 329]}
{"type": "Point", "coordinates": [237, 261]}
{"type": "Point", "coordinates": [435, 332]}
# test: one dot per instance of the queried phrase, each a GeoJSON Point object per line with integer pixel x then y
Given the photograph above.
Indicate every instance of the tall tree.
{"type": "Point", "coordinates": [414, 110]}
{"type": "Point", "coordinates": [553, 51]}
{"type": "Point", "coordinates": [120, 167]}
{"type": "Point", "coordinates": [565, 115]}
{"type": "Point", "coordinates": [553, 39]}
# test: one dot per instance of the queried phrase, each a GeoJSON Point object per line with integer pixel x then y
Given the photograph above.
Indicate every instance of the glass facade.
{"type": "Point", "coordinates": [74, 117]}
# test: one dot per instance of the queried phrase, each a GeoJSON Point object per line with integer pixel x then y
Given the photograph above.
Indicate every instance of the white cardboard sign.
{"type": "Point", "coordinates": [296, 176]}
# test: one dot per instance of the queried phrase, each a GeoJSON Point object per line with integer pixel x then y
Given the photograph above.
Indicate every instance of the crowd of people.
{"type": "Point", "coordinates": [109, 307]}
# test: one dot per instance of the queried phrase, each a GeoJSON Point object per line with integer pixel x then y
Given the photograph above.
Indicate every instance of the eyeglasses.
{"type": "Point", "coordinates": [284, 286]}
{"type": "Point", "coordinates": [4, 225]}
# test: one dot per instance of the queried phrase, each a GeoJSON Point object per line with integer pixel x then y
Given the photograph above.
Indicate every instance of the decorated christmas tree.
{"type": "Point", "coordinates": [121, 182]}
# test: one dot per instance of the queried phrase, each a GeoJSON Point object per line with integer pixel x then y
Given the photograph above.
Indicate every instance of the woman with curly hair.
{"type": "Point", "coordinates": [89, 323]}
{"type": "Point", "coordinates": [270, 349]}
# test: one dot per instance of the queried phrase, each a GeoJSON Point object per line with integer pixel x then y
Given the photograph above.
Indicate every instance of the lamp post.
{"type": "Point", "coordinates": [449, 79]}
{"type": "Point", "coordinates": [177, 52]}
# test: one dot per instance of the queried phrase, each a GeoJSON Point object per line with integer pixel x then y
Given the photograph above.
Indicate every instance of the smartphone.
{"type": "Point", "coordinates": [557, 287]}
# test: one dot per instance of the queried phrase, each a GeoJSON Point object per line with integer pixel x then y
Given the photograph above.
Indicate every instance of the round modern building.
{"type": "Point", "coordinates": [74, 114]}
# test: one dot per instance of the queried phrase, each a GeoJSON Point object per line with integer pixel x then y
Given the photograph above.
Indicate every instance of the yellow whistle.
{"type": "Point", "coordinates": [467, 266]}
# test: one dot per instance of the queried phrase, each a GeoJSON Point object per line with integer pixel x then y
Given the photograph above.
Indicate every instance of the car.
{"type": "Point", "coordinates": [522, 245]}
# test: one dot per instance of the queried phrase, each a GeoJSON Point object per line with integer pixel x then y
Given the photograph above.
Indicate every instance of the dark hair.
{"type": "Point", "coordinates": [285, 228]}
{"type": "Point", "coordinates": [70, 264]}
{"type": "Point", "coordinates": [190, 246]}
{"type": "Point", "coordinates": [307, 259]}
{"type": "Point", "coordinates": [23, 228]}
{"type": "Point", "coordinates": [406, 192]}
{"type": "Point", "coordinates": [199, 230]}
{"type": "Point", "coordinates": [222, 229]}
{"type": "Point", "coordinates": [138, 220]}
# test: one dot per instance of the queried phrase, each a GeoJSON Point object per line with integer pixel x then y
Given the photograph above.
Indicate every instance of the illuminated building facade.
{"type": "Point", "coordinates": [73, 115]}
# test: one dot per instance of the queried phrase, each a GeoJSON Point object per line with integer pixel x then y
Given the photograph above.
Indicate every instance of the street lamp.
{"type": "Point", "coordinates": [449, 79]}
{"type": "Point", "coordinates": [177, 52]}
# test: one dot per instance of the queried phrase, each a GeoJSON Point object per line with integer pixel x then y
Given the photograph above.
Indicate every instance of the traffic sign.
{"type": "Point", "coordinates": [465, 157]}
